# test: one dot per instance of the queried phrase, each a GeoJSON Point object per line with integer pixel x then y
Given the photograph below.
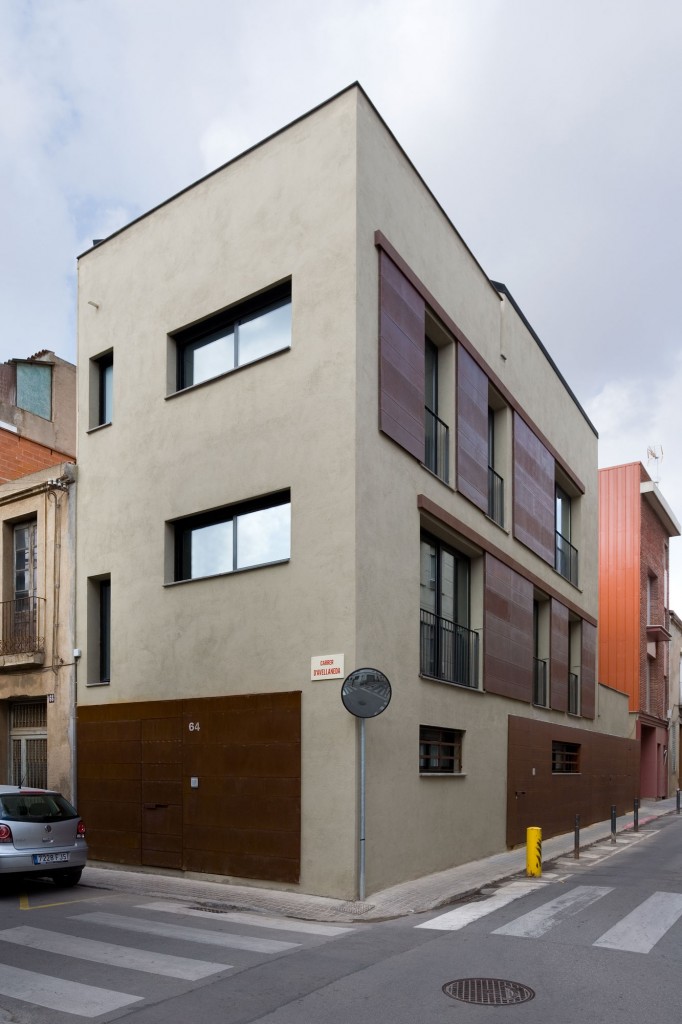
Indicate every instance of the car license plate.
{"type": "Point", "coordinates": [49, 858]}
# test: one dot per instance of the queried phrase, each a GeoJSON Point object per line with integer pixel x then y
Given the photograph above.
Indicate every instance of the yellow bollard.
{"type": "Point", "coordinates": [533, 852]}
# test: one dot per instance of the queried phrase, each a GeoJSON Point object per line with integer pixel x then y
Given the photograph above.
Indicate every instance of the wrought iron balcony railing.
{"type": "Point", "coordinates": [436, 445]}
{"type": "Point", "coordinates": [540, 688]}
{"type": "Point", "coordinates": [495, 497]}
{"type": "Point", "coordinates": [566, 559]}
{"type": "Point", "coordinates": [22, 625]}
{"type": "Point", "coordinates": [448, 651]}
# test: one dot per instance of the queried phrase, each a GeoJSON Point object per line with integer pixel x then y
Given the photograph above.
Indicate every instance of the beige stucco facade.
{"type": "Point", "coordinates": [306, 205]}
{"type": "Point", "coordinates": [37, 667]}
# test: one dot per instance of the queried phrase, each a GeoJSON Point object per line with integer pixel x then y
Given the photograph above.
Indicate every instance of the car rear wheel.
{"type": "Point", "coordinates": [67, 878]}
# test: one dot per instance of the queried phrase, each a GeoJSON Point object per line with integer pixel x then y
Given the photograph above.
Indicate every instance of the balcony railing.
{"type": "Point", "coordinates": [495, 497]}
{"type": "Point", "coordinates": [22, 625]}
{"type": "Point", "coordinates": [448, 651]}
{"type": "Point", "coordinates": [573, 694]}
{"type": "Point", "coordinates": [436, 445]}
{"type": "Point", "coordinates": [566, 559]}
{"type": "Point", "coordinates": [540, 689]}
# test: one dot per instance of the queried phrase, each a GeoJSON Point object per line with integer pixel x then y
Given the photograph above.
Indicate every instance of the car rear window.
{"type": "Point", "coordinates": [35, 807]}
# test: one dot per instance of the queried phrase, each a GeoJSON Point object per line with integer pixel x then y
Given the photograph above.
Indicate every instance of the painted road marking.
{"type": "Point", "coordinates": [56, 994]}
{"type": "Point", "coordinates": [285, 924]}
{"type": "Point", "coordinates": [453, 920]}
{"type": "Point", "coordinates": [177, 931]}
{"type": "Point", "coordinates": [641, 930]}
{"type": "Point", "coordinates": [110, 954]}
{"type": "Point", "coordinates": [540, 920]}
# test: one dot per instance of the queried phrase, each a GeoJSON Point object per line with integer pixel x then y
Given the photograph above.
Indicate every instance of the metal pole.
{"type": "Point", "coordinates": [613, 823]}
{"type": "Point", "coordinates": [636, 821]}
{"type": "Point", "coordinates": [576, 843]}
{"type": "Point", "coordinates": [677, 801]}
{"type": "Point", "coordinates": [362, 811]}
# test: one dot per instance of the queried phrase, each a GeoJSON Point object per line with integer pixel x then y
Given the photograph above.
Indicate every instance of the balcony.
{"type": "Point", "coordinates": [22, 633]}
{"type": "Point", "coordinates": [540, 688]}
{"type": "Point", "coordinates": [447, 651]}
{"type": "Point", "coordinates": [436, 445]}
{"type": "Point", "coordinates": [573, 694]}
{"type": "Point", "coordinates": [566, 559]}
{"type": "Point", "coordinates": [495, 497]}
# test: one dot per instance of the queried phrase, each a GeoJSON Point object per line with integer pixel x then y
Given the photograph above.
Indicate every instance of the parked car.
{"type": "Point", "coordinates": [41, 834]}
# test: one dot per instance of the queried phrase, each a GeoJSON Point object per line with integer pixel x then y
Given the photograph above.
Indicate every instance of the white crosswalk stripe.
{"type": "Point", "coordinates": [644, 927]}
{"type": "Point", "coordinates": [637, 932]}
{"type": "Point", "coordinates": [540, 920]}
{"type": "Point", "coordinates": [52, 989]}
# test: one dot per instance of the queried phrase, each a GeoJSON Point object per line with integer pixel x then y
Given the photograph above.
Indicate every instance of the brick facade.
{"type": "Point", "coordinates": [20, 456]}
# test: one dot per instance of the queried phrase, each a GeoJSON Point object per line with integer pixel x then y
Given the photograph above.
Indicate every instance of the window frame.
{"type": "Point", "coordinates": [448, 744]}
{"type": "Point", "coordinates": [198, 335]}
{"type": "Point", "coordinates": [565, 758]}
{"type": "Point", "coordinates": [184, 528]}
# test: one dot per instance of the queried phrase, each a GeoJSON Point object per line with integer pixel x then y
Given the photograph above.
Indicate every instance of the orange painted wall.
{"type": "Point", "coordinates": [619, 579]}
{"type": "Point", "coordinates": [20, 456]}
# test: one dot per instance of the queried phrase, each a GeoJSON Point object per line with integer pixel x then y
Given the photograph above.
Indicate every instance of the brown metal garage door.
{"type": "Point", "coordinates": [210, 784]}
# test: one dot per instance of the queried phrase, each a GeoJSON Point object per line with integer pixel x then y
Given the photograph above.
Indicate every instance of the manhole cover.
{"type": "Point", "coordinates": [488, 991]}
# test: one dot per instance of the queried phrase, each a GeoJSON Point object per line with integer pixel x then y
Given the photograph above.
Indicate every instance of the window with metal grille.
{"type": "Point", "coordinates": [440, 750]}
{"type": "Point", "coordinates": [28, 743]}
{"type": "Point", "coordinates": [565, 757]}
{"type": "Point", "coordinates": [30, 714]}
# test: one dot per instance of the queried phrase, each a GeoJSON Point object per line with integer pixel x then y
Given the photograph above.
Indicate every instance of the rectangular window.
{"type": "Point", "coordinates": [34, 388]}
{"type": "Point", "coordinates": [101, 390]}
{"type": "Point", "coordinates": [436, 433]}
{"type": "Point", "coordinates": [566, 555]}
{"type": "Point", "coordinates": [565, 758]}
{"type": "Point", "coordinates": [449, 649]}
{"type": "Point", "coordinates": [440, 751]}
{"type": "Point", "coordinates": [99, 631]}
{"type": "Point", "coordinates": [236, 537]}
{"type": "Point", "coordinates": [105, 630]}
{"type": "Point", "coordinates": [243, 334]}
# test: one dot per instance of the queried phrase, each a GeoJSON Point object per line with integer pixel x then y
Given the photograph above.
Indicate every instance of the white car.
{"type": "Point", "coordinates": [41, 834]}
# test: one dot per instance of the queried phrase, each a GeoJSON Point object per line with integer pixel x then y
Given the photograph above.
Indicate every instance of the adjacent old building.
{"type": "Point", "coordinates": [636, 525]}
{"type": "Point", "coordinates": [37, 575]}
{"type": "Point", "coordinates": [316, 437]}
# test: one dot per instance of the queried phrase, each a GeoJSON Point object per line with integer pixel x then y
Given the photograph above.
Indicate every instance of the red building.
{"type": "Point", "coordinates": [635, 527]}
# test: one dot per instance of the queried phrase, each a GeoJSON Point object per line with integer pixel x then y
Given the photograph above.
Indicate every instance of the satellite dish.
{"type": "Point", "coordinates": [366, 692]}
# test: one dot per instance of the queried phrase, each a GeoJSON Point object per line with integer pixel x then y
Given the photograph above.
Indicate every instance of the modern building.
{"type": "Point", "coordinates": [316, 438]}
{"type": "Point", "coordinates": [636, 525]}
{"type": "Point", "coordinates": [37, 581]}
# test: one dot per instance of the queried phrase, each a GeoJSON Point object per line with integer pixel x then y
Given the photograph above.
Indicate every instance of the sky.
{"type": "Point", "coordinates": [549, 132]}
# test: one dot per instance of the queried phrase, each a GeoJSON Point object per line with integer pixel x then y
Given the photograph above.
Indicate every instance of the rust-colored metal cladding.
{"type": "Point", "coordinates": [209, 784]}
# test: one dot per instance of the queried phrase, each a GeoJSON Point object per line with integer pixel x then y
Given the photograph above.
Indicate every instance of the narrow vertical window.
{"type": "Point", "coordinates": [105, 631]}
{"type": "Point", "coordinates": [106, 388]}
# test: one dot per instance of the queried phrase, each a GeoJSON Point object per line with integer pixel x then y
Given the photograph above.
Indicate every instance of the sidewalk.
{"type": "Point", "coordinates": [412, 897]}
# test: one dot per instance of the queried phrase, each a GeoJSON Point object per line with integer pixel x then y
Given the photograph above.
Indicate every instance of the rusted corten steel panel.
{"type": "Point", "coordinates": [534, 492]}
{"type": "Point", "coordinates": [588, 670]}
{"type": "Point", "coordinates": [508, 634]}
{"type": "Point", "coordinates": [619, 579]}
{"type": "Point", "coordinates": [539, 798]}
{"type": "Point", "coordinates": [401, 363]}
{"type": "Point", "coordinates": [243, 818]}
{"type": "Point", "coordinates": [559, 656]}
{"type": "Point", "coordinates": [472, 430]}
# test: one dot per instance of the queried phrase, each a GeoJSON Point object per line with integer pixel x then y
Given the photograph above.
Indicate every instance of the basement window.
{"type": "Point", "coordinates": [565, 758]}
{"type": "Point", "coordinates": [440, 751]}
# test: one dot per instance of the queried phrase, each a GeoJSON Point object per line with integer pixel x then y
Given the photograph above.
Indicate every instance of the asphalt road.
{"type": "Point", "coordinates": [597, 940]}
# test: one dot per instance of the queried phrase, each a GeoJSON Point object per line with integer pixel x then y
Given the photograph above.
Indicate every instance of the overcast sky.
{"type": "Point", "coordinates": [550, 133]}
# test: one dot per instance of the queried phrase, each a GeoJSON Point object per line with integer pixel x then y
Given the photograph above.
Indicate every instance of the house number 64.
{"type": "Point", "coordinates": [194, 727]}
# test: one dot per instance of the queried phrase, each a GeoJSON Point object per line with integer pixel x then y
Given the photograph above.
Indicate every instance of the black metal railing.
{"type": "Point", "coordinates": [448, 651]}
{"type": "Point", "coordinates": [22, 625]}
{"type": "Point", "coordinates": [573, 694]}
{"type": "Point", "coordinates": [436, 444]}
{"type": "Point", "coordinates": [566, 559]}
{"type": "Point", "coordinates": [495, 497]}
{"type": "Point", "coordinates": [540, 691]}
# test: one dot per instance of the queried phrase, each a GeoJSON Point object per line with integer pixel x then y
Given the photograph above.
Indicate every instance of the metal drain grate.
{"type": "Point", "coordinates": [488, 991]}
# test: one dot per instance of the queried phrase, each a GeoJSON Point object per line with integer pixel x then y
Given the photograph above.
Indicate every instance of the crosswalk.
{"type": "Point", "coordinates": [638, 931]}
{"type": "Point", "coordinates": [144, 944]}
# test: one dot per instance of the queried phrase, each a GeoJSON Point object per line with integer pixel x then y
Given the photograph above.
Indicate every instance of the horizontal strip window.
{"type": "Point", "coordinates": [236, 537]}
{"type": "Point", "coordinates": [242, 334]}
{"type": "Point", "coordinates": [440, 750]}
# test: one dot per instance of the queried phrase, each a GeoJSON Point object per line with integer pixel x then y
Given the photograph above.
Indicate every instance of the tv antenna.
{"type": "Point", "coordinates": [654, 453]}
